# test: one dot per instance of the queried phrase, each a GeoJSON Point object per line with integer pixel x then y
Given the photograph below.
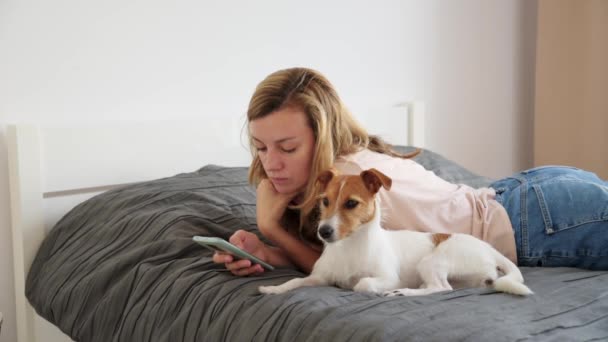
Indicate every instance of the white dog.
{"type": "Point", "coordinates": [360, 255]}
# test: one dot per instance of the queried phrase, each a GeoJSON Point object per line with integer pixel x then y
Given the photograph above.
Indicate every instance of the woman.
{"type": "Point", "coordinates": [298, 127]}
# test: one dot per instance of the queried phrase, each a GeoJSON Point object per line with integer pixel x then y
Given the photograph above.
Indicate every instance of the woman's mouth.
{"type": "Point", "coordinates": [279, 180]}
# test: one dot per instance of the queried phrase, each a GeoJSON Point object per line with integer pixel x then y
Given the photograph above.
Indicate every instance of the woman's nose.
{"type": "Point", "coordinates": [273, 160]}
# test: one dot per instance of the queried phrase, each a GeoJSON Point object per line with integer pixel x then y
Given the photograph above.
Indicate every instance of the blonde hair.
{"type": "Point", "coordinates": [335, 130]}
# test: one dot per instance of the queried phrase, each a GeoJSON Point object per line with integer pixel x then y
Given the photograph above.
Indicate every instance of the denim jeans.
{"type": "Point", "coordinates": [559, 216]}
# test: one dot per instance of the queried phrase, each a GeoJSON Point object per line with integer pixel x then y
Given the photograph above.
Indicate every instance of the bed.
{"type": "Point", "coordinates": [103, 252]}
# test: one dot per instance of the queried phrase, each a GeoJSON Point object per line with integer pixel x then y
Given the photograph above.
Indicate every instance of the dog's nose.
{"type": "Point", "coordinates": [326, 231]}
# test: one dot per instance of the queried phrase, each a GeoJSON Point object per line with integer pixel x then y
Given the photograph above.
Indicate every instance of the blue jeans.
{"type": "Point", "coordinates": [559, 216]}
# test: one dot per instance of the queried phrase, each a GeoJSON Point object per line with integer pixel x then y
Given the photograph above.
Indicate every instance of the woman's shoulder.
{"type": "Point", "coordinates": [402, 171]}
{"type": "Point", "coordinates": [366, 159]}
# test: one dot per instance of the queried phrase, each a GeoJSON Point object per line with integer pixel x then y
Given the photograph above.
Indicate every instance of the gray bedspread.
{"type": "Point", "coordinates": [122, 267]}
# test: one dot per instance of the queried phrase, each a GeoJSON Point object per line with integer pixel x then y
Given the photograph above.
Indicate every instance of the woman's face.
{"type": "Point", "coordinates": [285, 144]}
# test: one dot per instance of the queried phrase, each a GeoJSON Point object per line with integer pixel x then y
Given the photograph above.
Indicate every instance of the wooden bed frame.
{"type": "Point", "coordinates": [53, 167]}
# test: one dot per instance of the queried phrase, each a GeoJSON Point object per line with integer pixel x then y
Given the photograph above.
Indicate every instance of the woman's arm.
{"type": "Point", "coordinates": [270, 207]}
{"type": "Point", "coordinates": [292, 248]}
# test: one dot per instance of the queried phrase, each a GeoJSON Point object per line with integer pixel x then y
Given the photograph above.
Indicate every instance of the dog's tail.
{"type": "Point", "coordinates": [513, 281]}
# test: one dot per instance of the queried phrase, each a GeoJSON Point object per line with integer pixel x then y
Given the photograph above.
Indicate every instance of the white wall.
{"type": "Point", "coordinates": [470, 60]}
{"type": "Point", "coordinates": [482, 93]}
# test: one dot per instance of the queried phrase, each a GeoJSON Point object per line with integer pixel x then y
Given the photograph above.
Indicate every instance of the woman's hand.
{"type": "Point", "coordinates": [250, 243]}
{"type": "Point", "coordinates": [270, 206]}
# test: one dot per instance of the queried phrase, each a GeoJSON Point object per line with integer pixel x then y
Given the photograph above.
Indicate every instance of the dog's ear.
{"type": "Point", "coordinates": [374, 179]}
{"type": "Point", "coordinates": [326, 176]}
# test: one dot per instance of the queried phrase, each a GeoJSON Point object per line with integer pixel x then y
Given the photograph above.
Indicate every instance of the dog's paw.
{"type": "Point", "coordinates": [270, 289]}
{"type": "Point", "coordinates": [397, 293]}
{"type": "Point", "coordinates": [392, 293]}
{"type": "Point", "coordinates": [366, 285]}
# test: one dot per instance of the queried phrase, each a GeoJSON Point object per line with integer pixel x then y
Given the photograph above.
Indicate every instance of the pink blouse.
{"type": "Point", "coordinates": [420, 200]}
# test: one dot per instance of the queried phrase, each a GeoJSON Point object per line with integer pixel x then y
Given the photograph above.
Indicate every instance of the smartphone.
{"type": "Point", "coordinates": [221, 245]}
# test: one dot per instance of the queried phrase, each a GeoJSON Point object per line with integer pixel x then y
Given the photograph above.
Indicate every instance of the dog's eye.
{"type": "Point", "coordinates": [350, 204]}
{"type": "Point", "coordinates": [325, 201]}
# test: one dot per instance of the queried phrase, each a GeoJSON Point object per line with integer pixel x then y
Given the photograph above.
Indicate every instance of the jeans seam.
{"type": "Point", "coordinates": [580, 223]}
{"type": "Point", "coordinates": [543, 209]}
{"type": "Point", "coordinates": [524, 216]}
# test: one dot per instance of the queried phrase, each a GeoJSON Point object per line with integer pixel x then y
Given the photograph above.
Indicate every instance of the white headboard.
{"type": "Point", "coordinates": [53, 167]}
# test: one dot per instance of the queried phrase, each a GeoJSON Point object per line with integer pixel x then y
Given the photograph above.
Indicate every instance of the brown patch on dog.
{"type": "Point", "coordinates": [438, 238]}
{"type": "Point", "coordinates": [375, 179]}
{"type": "Point", "coordinates": [326, 176]}
{"type": "Point", "coordinates": [350, 198]}
{"type": "Point", "coordinates": [353, 189]}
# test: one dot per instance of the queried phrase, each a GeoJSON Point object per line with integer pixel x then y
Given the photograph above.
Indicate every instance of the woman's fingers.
{"type": "Point", "coordinates": [238, 238]}
{"type": "Point", "coordinates": [244, 268]}
{"type": "Point", "coordinates": [255, 269]}
{"type": "Point", "coordinates": [239, 264]}
{"type": "Point", "coordinates": [247, 241]}
{"type": "Point", "coordinates": [238, 267]}
{"type": "Point", "coordinates": [222, 258]}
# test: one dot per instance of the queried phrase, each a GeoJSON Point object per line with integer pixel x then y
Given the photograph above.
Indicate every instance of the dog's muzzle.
{"type": "Point", "coordinates": [326, 233]}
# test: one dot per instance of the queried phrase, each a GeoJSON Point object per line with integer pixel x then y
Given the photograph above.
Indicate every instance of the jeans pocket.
{"type": "Point", "coordinates": [569, 203]}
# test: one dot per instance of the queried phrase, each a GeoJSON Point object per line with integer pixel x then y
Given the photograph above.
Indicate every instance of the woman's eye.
{"type": "Point", "coordinates": [261, 149]}
{"type": "Point", "coordinates": [351, 204]}
{"type": "Point", "coordinates": [325, 201]}
{"type": "Point", "coordinates": [289, 150]}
